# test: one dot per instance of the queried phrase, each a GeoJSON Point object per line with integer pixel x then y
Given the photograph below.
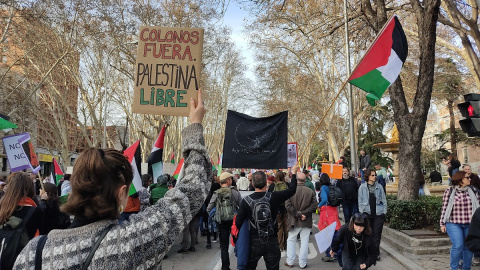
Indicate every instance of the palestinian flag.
{"type": "Point", "coordinates": [56, 175]}
{"type": "Point", "coordinates": [172, 158]}
{"type": "Point", "coordinates": [179, 170]}
{"type": "Point", "coordinates": [6, 125]}
{"type": "Point", "coordinates": [382, 64]}
{"type": "Point", "coordinates": [155, 165]}
{"type": "Point", "coordinates": [133, 153]}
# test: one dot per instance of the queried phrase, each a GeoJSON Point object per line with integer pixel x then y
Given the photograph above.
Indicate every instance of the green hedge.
{"type": "Point", "coordinates": [408, 215]}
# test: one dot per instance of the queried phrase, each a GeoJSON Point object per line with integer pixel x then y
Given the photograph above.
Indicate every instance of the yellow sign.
{"type": "Point", "coordinates": [46, 157]}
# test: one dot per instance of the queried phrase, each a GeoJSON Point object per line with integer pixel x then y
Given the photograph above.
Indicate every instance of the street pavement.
{"type": "Point", "coordinates": [209, 259]}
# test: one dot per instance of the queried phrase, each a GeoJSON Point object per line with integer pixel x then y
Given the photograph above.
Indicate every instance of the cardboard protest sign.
{"type": "Point", "coordinates": [168, 68]}
{"type": "Point", "coordinates": [333, 170]}
{"type": "Point", "coordinates": [292, 154]}
{"type": "Point", "coordinates": [15, 156]}
{"type": "Point", "coordinates": [29, 153]}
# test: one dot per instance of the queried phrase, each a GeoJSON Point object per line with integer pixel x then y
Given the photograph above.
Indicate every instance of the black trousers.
{"type": "Point", "coordinates": [351, 263]}
{"type": "Point", "coordinates": [376, 223]}
{"type": "Point", "coordinates": [268, 249]}
{"type": "Point", "coordinates": [224, 229]}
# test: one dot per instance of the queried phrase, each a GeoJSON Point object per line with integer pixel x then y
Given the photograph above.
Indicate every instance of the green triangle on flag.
{"type": "Point", "coordinates": [6, 125]}
{"type": "Point", "coordinates": [57, 173]}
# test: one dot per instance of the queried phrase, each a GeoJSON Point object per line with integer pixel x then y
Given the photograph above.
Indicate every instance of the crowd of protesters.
{"type": "Point", "coordinates": [278, 211]}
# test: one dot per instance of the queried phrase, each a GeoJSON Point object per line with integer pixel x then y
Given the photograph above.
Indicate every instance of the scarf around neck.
{"type": "Point", "coordinates": [26, 201]}
{"type": "Point", "coordinates": [451, 201]}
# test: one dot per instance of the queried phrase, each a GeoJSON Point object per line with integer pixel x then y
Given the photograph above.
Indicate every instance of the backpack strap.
{"type": "Point", "coordinates": [95, 247]}
{"type": "Point", "coordinates": [24, 222]}
{"type": "Point", "coordinates": [38, 252]}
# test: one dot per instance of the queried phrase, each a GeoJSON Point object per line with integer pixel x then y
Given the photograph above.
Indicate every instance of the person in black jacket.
{"type": "Point", "coordinates": [267, 247]}
{"type": "Point", "coordinates": [349, 187]}
{"type": "Point", "coordinates": [50, 204]}
{"type": "Point", "coordinates": [358, 248]}
{"type": "Point", "coordinates": [473, 236]}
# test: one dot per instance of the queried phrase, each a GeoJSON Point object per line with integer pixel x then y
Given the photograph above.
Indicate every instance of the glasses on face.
{"type": "Point", "coordinates": [373, 174]}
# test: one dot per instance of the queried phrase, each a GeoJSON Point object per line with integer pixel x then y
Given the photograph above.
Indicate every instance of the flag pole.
{"type": "Point", "coordinates": [41, 180]}
{"type": "Point", "coordinates": [353, 145]}
{"type": "Point", "coordinates": [321, 120]}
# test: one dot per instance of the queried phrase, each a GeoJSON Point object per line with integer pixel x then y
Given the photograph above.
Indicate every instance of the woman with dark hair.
{"type": "Point", "coordinates": [358, 248]}
{"type": "Point", "coordinates": [373, 203]}
{"type": "Point", "coordinates": [50, 204]}
{"type": "Point", "coordinates": [328, 214]}
{"type": "Point", "coordinates": [17, 205]}
{"type": "Point", "coordinates": [459, 203]}
{"type": "Point", "coordinates": [101, 182]}
{"type": "Point", "coordinates": [453, 166]}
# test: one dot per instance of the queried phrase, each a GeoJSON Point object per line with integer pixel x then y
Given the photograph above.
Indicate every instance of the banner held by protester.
{"type": "Point", "coordinates": [259, 143]}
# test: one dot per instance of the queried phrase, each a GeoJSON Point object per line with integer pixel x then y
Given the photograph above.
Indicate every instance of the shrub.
{"type": "Point", "coordinates": [408, 215]}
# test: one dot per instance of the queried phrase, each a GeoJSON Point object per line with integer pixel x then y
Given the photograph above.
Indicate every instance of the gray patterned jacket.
{"type": "Point", "coordinates": [142, 242]}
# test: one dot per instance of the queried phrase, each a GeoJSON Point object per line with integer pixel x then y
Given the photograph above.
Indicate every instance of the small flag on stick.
{"type": "Point", "coordinates": [56, 174]}
{"type": "Point", "coordinates": [155, 159]}
{"type": "Point", "coordinates": [179, 170]}
{"type": "Point", "coordinates": [133, 153]}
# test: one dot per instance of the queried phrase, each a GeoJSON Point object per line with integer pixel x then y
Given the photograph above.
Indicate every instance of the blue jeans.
{"type": "Point", "coordinates": [457, 234]}
{"type": "Point", "coordinates": [362, 172]}
{"type": "Point", "coordinates": [350, 208]}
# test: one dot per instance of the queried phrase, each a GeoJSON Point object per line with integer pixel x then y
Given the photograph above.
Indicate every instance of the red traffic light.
{"type": "Point", "coordinates": [470, 110]}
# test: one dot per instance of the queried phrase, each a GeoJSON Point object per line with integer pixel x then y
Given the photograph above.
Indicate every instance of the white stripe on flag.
{"type": "Point", "coordinates": [137, 181]}
{"type": "Point", "coordinates": [391, 70]}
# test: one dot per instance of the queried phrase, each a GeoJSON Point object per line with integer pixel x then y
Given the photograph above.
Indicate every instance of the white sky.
{"type": "Point", "coordinates": [234, 18]}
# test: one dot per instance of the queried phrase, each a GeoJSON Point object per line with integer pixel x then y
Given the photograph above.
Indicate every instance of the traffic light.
{"type": "Point", "coordinates": [470, 109]}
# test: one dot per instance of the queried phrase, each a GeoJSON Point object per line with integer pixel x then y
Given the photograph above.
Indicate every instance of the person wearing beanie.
{"type": "Point", "coordinates": [159, 189]}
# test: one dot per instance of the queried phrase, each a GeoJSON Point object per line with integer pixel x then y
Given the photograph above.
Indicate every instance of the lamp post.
{"type": "Point", "coordinates": [104, 142]}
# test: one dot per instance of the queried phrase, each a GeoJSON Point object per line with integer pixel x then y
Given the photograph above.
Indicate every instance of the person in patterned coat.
{"type": "Point", "coordinates": [100, 184]}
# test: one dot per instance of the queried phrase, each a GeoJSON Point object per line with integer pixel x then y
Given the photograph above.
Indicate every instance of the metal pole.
{"type": "Point", "coordinates": [353, 148]}
{"type": "Point", "coordinates": [104, 142]}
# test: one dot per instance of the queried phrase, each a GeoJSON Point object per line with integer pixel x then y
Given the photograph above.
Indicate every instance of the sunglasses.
{"type": "Point", "coordinates": [373, 174]}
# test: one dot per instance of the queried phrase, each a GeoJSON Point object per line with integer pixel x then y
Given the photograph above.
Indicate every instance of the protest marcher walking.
{"type": "Point", "coordinates": [100, 184]}
{"type": "Point", "coordinates": [50, 204]}
{"type": "Point", "coordinates": [299, 208]}
{"type": "Point", "coordinates": [474, 182]}
{"type": "Point", "coordinates": [263, 233]}
{"type": "Point", "coordinates": [358, 247]}
{"type": "Point", "coordinates": [373, 202]}
{"type": "Point", "coordinates": [460, 201]}
{"type": "Point", "coordinates": [17, 205]}
{"type": "Point", "coordinates": [144, 192]}
{"type": "Point", "coordinates": [349, 187]}
{"type": "Point", "coordinates": [364, 164]}
{"type": "Point", "coordinates": [227, 201]}
{"type": "Point", "coordinates": [243, 182]}
{"type": "Point", "coordinates": [328, 213]}
{"type": "Point", "coordinates": [280, 185]}
{"type": "Point", "coordinates": [158, 190]}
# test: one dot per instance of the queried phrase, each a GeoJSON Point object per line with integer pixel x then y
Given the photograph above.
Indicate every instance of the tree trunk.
{"type": "Point", "coordinates": [411, 122]}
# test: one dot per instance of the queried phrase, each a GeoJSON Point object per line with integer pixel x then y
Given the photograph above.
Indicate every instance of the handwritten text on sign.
{"type": "Point", "coordinates": [168, 69]}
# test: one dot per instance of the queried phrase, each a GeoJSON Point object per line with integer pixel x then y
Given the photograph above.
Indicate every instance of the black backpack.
{"type": "Point", "coordinates": [13, 238]}
{"type": "Point", "coordinates": [262, 219]}
{"type": "Point", "coordinates": [335, 197]}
